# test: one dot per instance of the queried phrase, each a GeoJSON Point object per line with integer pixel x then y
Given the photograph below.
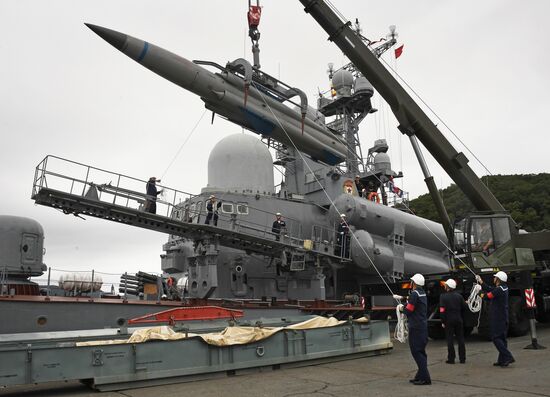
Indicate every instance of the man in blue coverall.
{"type": "Point", "coordinates": [417, 318]}
{"type": "Point", "coordinates": [498, 316]}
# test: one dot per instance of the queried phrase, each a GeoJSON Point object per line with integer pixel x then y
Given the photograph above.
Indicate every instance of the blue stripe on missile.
{"type": "Point", "coordinates": [258, 124]}
{"type": "Point", "coordinates": [143, 52]}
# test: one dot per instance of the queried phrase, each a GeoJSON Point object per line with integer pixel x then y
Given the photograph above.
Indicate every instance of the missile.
{"type": "Point", "coordinates": [396, 242]}
{"type": "Point", "coordinates": [229, 95]}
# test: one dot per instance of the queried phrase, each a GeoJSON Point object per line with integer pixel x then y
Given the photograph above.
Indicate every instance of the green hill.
{"type": "Point", "coordinates": [527, 197]}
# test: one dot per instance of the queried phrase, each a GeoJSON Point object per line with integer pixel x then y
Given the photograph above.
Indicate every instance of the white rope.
{"type": "Point", "coordinates": [474, 300]}
{"type": "Point", "coordinates": [401, 332]}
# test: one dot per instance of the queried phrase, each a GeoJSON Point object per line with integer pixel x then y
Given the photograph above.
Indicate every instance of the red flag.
{"type": "Point", "coordinates": [399, 51]}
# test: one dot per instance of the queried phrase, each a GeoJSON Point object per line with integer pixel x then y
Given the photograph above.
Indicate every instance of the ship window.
{"type": "Point", "coordinates": [227, 208]}
{"type": "Point", "coordinates": [242, 209]}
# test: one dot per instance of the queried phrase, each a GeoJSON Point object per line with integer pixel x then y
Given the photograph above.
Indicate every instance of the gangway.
{"type": "Point", "coordinates": [74, 190]}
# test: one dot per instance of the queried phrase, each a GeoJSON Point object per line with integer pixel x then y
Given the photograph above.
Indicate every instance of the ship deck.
{"type": "Point", "coordinates": [385, 375]}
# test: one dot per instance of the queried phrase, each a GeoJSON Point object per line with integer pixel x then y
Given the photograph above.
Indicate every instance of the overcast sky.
{"type": "Point", "coordinates": [482, 65]}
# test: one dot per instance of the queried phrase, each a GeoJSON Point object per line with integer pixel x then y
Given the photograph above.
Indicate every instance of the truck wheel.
{"type": "Point", "coordinates": [519, 323]}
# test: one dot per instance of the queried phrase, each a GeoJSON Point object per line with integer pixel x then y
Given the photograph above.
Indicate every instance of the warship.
{"type": "Point", "coordinates": [327, 235]}
{"type": "Point", "coordinates": [341, 240]}
{"type": "Point", "coordinates": [306, 264]}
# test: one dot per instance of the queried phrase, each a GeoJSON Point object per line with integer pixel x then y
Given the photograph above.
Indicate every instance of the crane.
{"type": "Point", "coordinates": [482, 241]}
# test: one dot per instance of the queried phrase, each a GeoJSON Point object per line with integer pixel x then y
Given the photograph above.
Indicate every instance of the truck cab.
{"type": "Point", "coordinates": [486, 241]}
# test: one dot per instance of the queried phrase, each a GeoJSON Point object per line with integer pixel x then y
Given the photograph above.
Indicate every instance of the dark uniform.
{"type": "Point", "coordinates": [212, 212]}
{"type": "Point", "coordinates": [276, 228]}
{"type": "Point", "coordinates": [359, 187]}
{"type": "Point", "coordinates": [342, 240]}
{"type": "Point", "coordinates": [417, 319]}
{"type": "Point", "coordinates": [498, 319]}
{"type": "Point", "coordinates": [151, 200]}
{"type": "Point", "coordinates": [451, 308]}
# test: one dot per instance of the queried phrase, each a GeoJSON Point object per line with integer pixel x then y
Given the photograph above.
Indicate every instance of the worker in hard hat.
{"type": "Point", "coordinates": [342, 238]}
{"type": "Point", "coordinates": [278, 224]}
{"type": "Point", "coordinates": [451, 309]}
{"type": "Point", "coordinates": [498, 316]}
{"type": "Point", "coordinates": [416, 311]}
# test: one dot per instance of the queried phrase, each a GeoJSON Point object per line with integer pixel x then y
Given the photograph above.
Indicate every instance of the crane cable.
{"type": "Point", "coordinates": [439, 118]}
{"type": "Point", "coordinates": [400, 318]}
{"type": "Point", "coordinates": [401, 322]}
{"type": "Point", "coordinates": [183, 144]}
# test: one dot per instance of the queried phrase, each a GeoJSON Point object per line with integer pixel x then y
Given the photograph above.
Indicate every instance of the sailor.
{"type": "Point", "coordinates": [451, 308]}
{"type": "Point", "coordinates": [278, 224]}
{"type": "Point", "coordinates": [417, 316]}
{"type": "Point", "coordinates": [152, 193]}
{"type": "Point", "coordinates": [359, 186]}
{"type": "Point", "coordinates": [342, 238]}
{"type": "Point", "coordinates": [498, 316]}
{"type": "Point", "coordinates": [212, 207]}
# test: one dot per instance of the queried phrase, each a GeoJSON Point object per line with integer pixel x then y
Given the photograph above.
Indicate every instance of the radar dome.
{"type": "Point", "coordinates": [240, 163]}
{"type": "Point", "coordinates": [342, 81]}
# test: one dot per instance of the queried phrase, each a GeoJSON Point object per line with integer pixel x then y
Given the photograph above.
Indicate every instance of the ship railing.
{"type": "Point", "coordinates": [238, 222]}
{"type": "Point", "coordinates": [72, 177]}
{"type": "Point", "coordinates": [326, 239]}
{"type": "Point", "coordinates": [86, 283]}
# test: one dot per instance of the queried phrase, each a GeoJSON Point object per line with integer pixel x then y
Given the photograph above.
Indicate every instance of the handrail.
{"type": "Point", "coordinates": [124, 194]}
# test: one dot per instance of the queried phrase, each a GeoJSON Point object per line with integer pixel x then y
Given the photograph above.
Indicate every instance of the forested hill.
{"type": "Point", "coordinates": [527, 197]}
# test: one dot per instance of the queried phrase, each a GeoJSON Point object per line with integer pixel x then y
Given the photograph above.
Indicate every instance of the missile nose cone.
{"type": "Point", "coordinates": [116, 39]}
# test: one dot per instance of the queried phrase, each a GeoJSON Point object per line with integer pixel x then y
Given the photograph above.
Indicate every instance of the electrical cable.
{"type": "Point", "coordinates": [401, 323]}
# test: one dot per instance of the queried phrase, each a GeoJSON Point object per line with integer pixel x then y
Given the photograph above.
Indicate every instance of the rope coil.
{"type": "Point", "coordinates": [474, 300]}
{"type": "Point", "coordinates": [401, 332]}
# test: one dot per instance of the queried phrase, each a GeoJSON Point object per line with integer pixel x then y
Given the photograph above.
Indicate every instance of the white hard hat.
{"type": "Point", "coordinates": [502, 276]}
{"type": "Point", "coordinates": [451, 283]}
{"type": "Point", "coordinates": [342, 215]}
{"type": "Point", "coordinates": [278, 214]}
{"type": "Point", "coordinates": [418, 279]}
{"type": "Point", "coordinates": [212, 196]}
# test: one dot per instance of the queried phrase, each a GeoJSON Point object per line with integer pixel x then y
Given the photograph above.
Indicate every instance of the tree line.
{"type": "Point", "coordinates": [526, 197]}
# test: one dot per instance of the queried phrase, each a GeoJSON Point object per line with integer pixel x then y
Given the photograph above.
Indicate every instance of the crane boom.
{"type": "Point", "coordinates": [412, 119]}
